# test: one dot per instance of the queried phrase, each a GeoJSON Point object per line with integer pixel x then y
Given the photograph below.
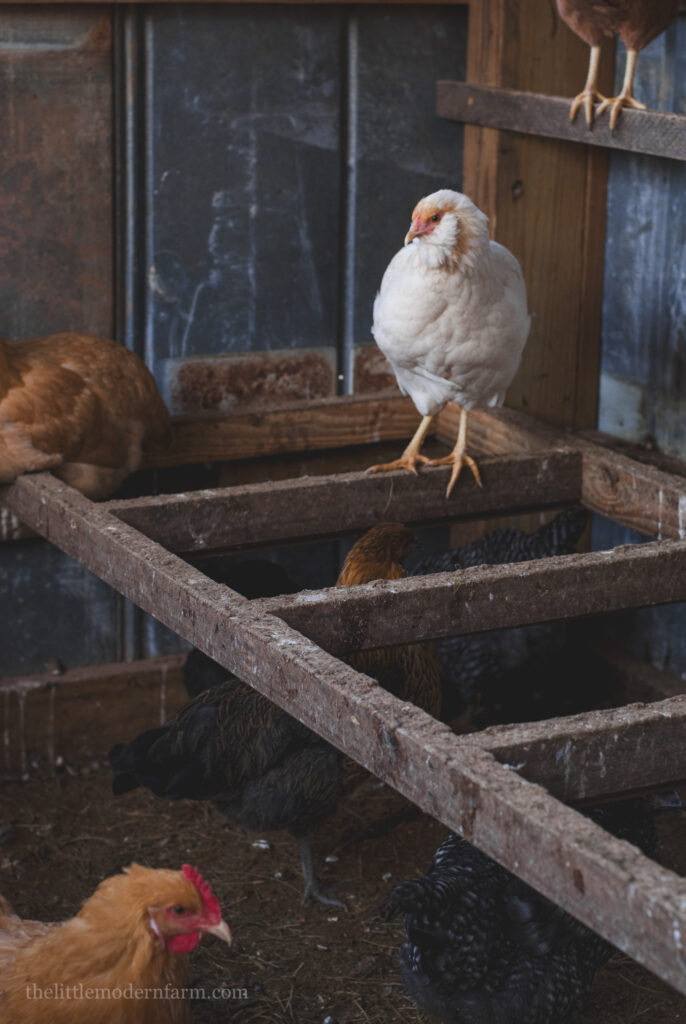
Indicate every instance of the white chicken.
{"type": "Point", "coordinates": [451, 318]}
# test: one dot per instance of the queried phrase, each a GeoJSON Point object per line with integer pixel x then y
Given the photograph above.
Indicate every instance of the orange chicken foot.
{"type": "Point", "coordinates": [410, 457]}
{"type": "Point", "coordinates": [625, 98]}
{"type": "Point", "coordinates": [458, 457]}
{"type": "Point", "coordinates": [590, 93]}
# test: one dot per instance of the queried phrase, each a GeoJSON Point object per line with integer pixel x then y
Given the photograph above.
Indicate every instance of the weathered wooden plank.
{"type": "Point", "coordinates": [643, 131]}
{"type": "Point", "coordinates": [598, 752]}
{"type": "Point", "coordinates": [327, 505]}
{"type": "Point", "coordinates": [78, 714]}
{"type": "Point", "coordinates": [313, 426]}
{"type": "Point", "coordinates": [522, 182]}
{"type": "Point", "coordinates": [627, 491]}
{"type": "Point", "coordinates": [564, 855]}
{"type": "Point", "coordinates": [475, 600]}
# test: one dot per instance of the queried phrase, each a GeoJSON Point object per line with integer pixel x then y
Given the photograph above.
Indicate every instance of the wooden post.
{"type": "Point", "coordinates": [546, 201]}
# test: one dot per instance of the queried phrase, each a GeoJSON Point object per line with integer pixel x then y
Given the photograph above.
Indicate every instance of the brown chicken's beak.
{"type": "Point", "coordinates": [222, 931]}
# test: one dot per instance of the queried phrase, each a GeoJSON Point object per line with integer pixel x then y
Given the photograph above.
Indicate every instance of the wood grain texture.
{"type": "Point", "coordinates": [487, 597]}
{"type": "Point", "coordinates": [624, 490]}
{"type": "Point", "coordinates": [312, 426]}
{"type": "Point", "coordinates": [567, 857]}
{"type": "Point", "coordinates": [548, 116]}
{"type": "Point", "coordinates": [77, 715]}
{"type": "Point", "coordinates": [545, 199]}
{"type": "Point", "coordinates": [260, 514]}
{"type": "Point", "coordinates": [598, 752]}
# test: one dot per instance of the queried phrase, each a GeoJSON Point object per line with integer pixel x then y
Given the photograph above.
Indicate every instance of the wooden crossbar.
{"type": "Point", "coordinates": [644, 131]}
{"type": "Point", "coordinates": [327, 505]}
{"type": "Point", "coordinates": [487, 597]}
{"type": "Point", "coordinates": [455, 779]}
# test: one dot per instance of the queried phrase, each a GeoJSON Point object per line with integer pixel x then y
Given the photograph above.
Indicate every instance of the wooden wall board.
{"type": "Point", "coordinates": [56, 718]}
{"type": "Point", "coordinates": [545, 200]}
{"type": "Point", "coordinates": [561, 853]}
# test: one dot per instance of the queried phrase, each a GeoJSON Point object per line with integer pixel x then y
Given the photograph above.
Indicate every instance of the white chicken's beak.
{"type": "Point", "coordinates": [417, 228]}
{"type": "Point", "coordinates": [222, 931]}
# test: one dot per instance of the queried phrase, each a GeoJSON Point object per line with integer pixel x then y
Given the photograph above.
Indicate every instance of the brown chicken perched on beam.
{"type": "Point", "coordinates": [131, 935]}
{"type": "Point", "coordinates": [263, 768]}
{"type": "Point", "coordinates": [636, 22]}
{"type": "Point", "coordinates": [80, 406]}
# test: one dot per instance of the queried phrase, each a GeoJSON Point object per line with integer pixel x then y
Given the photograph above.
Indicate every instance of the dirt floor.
{"type": "Point", "coordinates": [61, 833]}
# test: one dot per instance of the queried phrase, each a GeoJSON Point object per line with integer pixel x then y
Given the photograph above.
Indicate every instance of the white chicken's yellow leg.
{"type": "Point", "coordinates": [458, 457]}
{"type": "Point", "coordinates": [590, 93]}
{"type": "Point", "coordinates": [410, 457]}
{"type": "Point", "coordinates": [625, 98]}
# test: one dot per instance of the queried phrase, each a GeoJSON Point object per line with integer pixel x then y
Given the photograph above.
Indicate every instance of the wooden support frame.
{"type": "Point", "coordinates": [548, 116]}
{"type": "Point", "coordinates": [487, 786]}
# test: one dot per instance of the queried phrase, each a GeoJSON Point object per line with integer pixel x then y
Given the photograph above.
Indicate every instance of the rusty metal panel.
{"type": "Point", "coordinates": [55, 170]}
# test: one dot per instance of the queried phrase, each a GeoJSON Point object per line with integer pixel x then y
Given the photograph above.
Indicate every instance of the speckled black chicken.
{"type": "Point", "coordinates": [487, 665]}
{"type": "Point", "coordinates": [484, 948]}
{"type": "Point", "coordinates": [262, 768]}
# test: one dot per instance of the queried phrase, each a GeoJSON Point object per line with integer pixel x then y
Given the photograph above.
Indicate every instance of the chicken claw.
{"type": "Point", "coordinates": [457, 459]}
{"type": "Point", "coordinates": [588, 97]}
{"type": "Point", "coordinates": [410, 457]}
{"type": "Point", "coordinates": [312, 890]}
{"type": "Point", "coordinates": [625, 98]}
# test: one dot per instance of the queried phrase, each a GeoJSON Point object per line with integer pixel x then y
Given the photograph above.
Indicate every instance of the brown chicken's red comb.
{"type": "Point", "coordinates": [210, 901]}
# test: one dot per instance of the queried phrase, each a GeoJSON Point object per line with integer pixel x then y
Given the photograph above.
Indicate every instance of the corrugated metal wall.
{"type": "Point", "coordinates": [643, 367]}
{"type": "Point", "coordinates": [266, 159]}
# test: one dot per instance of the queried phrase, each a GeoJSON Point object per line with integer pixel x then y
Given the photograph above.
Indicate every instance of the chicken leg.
{"type": "Point", "coordinates": [458, 457]}
{"type": "Point", "coordinates": [590, 93]}
{"type": "Point", "coordinates": [625, 98]}
{"type": "Point", "coordinates": [410, 457]}
{"type": "Point", "coordinates": [312, 888]}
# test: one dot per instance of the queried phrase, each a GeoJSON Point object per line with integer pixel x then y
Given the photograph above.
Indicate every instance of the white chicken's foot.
{"type": "Point", "coordinates": [458, 457]}
{"type": "Point", "coordinates": [590, 94]}
{"type": "Point", "coordinates": [625, 98]}
{"type": "Point", "coordinates": [410, 457]}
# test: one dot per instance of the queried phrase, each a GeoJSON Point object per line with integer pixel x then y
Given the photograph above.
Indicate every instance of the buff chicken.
{"type": "Point", "coordinates": [80, 406]}
{"type": "Point", "coordinates": [636, 22]}
{"type": "Point", "coordinates": [451, 318]}
{"type": "Point", "coordinates": [130, 936]}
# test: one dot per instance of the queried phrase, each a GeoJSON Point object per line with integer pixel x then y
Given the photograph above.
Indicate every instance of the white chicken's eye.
{"type": "Point", "coordinates": [436, 217]}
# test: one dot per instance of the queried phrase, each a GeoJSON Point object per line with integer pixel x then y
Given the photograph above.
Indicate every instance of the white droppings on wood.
{"type": "Point", "coordinates": [682, 517]}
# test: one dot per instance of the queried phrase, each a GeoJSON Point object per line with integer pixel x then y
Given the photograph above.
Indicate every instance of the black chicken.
{"type": "Point", "coordinates": [493, 666]}
{"type": "Point", "coordinates": [484, 948]}
{"type": "Point", "coordinates": [262, 768]}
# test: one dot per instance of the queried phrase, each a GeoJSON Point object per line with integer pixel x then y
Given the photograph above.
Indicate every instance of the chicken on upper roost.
{"type": "Point", "coordinates": [263, 768]}
{"type": "Point", "coordinates": [451, 318]}
{"type": "Point", "coordinates": [129, 936]}
{"type": "Point", "coordinates": [636, 22]}
{"type": "Point", "coordinates": [80, 406]}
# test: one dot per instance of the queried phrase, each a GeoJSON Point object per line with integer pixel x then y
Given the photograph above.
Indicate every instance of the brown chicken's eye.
{"type": "Point", "coordinates": [178, 909]}
{"type": "Point", "coordinates": [436, 217]}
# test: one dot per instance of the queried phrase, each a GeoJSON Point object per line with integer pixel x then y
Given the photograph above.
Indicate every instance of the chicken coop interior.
{"type": "Point", "coordinates": [219, 187]}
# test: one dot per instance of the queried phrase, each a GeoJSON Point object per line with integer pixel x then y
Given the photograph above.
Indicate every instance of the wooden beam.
{"type": "Point", "coordinates": [548, 116]}
{"type": "Point", "coordinates": [597, 753]}
{"type": "Point", "coordinates": [624, 490]}
{"type": "Point", "coordinates": [80, 713]}
{"type": "Point", "coordinates": [296, 427]}
{"type": "Point", "coordinates": [476, 600]}
{"type": "Point", "coordinates": [329, 505]}
{"type": "Point", "coordinates": [523, 183]}
{"type": "Point", "coordinates": [561, 853]}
